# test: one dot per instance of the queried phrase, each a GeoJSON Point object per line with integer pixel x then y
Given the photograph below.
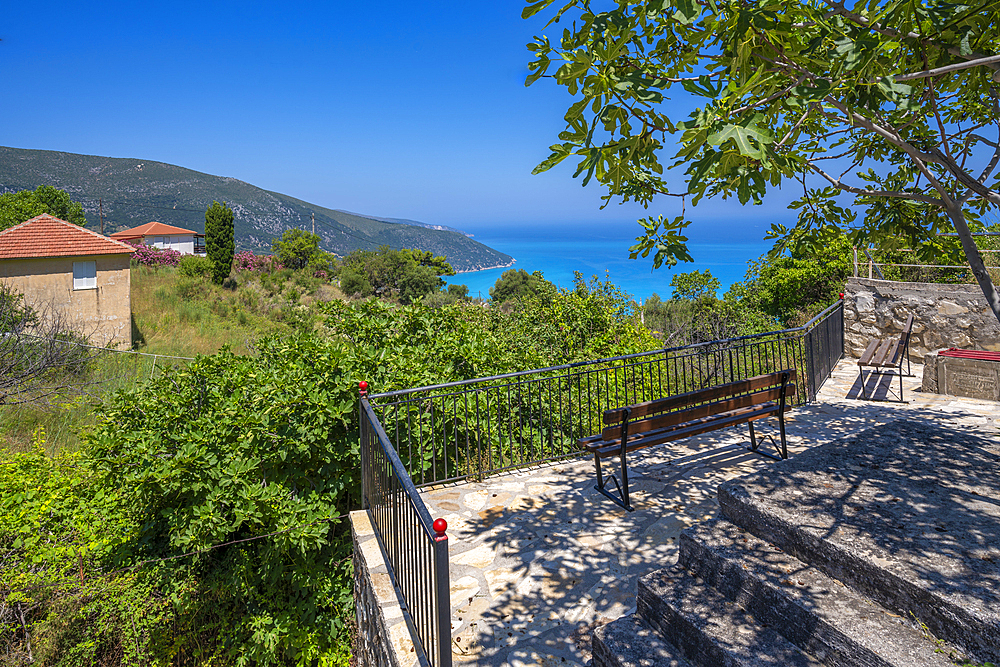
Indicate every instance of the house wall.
{"type": "Point", "coordinates": [103, 314]}
{"type": "Point", "coordinates": [182, 243]}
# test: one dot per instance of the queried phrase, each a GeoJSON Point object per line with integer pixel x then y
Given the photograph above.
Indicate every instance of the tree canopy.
{"type": "Point", "coordinates": [518, 283]}
{"type": "Point", "coordinates": [408, 274]}
{"type": "Point", "coordinates": [885, 113]}
{"type": "Point", "coordinates": [296, 248]}
{"type": "Point", "coordinates": [17, 207]}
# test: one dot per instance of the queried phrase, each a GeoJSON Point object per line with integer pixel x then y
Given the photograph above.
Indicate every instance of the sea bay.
{"type": "Point", "coordinates": [602, 250]}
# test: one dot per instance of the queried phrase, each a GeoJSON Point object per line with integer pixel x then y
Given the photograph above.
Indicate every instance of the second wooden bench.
{"type": "Point", "coordinates": [642, 425]}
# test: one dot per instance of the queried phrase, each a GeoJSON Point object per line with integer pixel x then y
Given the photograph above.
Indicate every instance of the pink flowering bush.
{"type": "Point", "coordinates": [150, 256]}
{"type": "Point", "coordinates": [247, 261]}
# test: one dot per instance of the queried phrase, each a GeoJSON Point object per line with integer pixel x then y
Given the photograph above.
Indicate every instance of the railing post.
{"type": "Point", "coordinates": [443, 592]}
{"type": "Point", "coordinates": [365, 434]}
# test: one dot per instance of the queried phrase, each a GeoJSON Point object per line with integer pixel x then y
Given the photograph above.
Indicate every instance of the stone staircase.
{"type": "Point", "coordinates": [880, 550]}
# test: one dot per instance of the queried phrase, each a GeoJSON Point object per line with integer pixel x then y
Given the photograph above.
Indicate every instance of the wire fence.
{"type": "Point", "coordinates": [865, 263]}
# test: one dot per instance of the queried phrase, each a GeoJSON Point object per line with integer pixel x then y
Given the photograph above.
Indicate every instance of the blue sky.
{"type": "Point", "coordinates": [412, 110]}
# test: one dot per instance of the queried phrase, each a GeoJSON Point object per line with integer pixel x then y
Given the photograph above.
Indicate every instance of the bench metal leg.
{"type": "Point", "coordinates": [781, 427]}
{"type": "Point", "coordinates": [622, 499]}
{"type": "Point", "coordinates": [755, 445]}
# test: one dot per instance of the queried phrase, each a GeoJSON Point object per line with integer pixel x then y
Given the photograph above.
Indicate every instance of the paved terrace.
{"type": "Point", "coordinates": [539, 558]}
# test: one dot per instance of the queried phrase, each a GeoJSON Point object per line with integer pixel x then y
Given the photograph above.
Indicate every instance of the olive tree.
{"type": "Point", "coordinates": [884, 112]}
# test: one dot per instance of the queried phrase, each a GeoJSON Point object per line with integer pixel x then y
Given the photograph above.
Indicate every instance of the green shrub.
{"type": "Point", "coordinates": [195, 266]}
{"type": "Point", "coordinates": [232, 447]}
{"type": "Point", "coordinates": [187, 288]}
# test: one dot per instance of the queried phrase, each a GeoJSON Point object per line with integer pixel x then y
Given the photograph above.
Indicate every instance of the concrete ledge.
{"type": "Point", "coordinates": [384, 638]}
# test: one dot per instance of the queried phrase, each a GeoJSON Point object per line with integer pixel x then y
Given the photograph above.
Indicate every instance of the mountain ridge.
{"type": "Point", "coordinates": [134, 191]}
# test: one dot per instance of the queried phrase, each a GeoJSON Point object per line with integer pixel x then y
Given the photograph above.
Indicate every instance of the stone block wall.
{"type": "Point", "coordinates": [383, 638]}
{"type": "Point", "coordinates": [943, 316]}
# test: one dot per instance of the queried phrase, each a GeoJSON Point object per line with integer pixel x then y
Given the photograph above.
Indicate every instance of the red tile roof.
{"type": "Point", "coordinates": [150, 229]}
{"type": "Point", "coordinates": [48, 236]}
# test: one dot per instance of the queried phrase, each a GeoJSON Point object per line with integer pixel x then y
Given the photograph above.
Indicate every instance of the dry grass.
{"type": "Point", "coordinates": [181, 316]}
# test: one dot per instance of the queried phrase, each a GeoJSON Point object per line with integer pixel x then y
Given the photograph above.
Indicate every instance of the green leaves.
{"type": "Point", "coordinates": [663, 237]}
{"type": "Point", "coordinates": [748, 138]}
{"type": "Point", "coordinates": [777, 90]}
{"type": "Point", "coordinates": [219, 240]}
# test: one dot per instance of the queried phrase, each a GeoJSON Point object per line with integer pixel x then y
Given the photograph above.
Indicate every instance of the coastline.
{"type": "Point", "coordinates": [487, 268]}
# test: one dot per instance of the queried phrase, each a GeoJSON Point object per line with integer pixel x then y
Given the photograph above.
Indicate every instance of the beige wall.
{"type": "Point", "coordinates": [104, 313]}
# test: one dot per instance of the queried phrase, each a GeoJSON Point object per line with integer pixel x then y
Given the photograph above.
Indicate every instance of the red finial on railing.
{"type": "Point", "coordinates": [440, 526]}
{"type": "Point", "coordinates": [363, 388]}
{"type": "Point", "coordinates": [841, 296]}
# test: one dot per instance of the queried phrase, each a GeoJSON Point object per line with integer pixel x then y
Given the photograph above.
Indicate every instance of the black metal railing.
{"type": "Point", "coordinates": [416, 552]}
{"type": "Point", "coordinates": [475, 428]}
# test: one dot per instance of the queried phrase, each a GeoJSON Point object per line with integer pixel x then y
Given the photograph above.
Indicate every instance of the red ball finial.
{"type": "Point", "coordinates": [363, 387]}
{"type": "Point", "coordinates": [440, 525]}
{"type": "Point", "coordinates": [841, 295]}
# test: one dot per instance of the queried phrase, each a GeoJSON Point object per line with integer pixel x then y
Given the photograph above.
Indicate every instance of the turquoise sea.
{"type": "Point", "coordinates": [558, 251]}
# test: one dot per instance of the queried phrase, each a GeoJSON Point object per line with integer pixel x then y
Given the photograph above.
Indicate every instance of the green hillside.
{"type": "Point", "coordinates": [135, 192]}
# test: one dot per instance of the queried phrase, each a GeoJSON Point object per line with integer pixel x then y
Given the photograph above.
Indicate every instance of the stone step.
{"type": "Point", "coordinates": [818, 614]}
{"type": "Point", "coordinates": [709, 630]}
{"type": "Point", "coordinates": [628, 642]}
{"type": "Point", "coordinates": [904, 513]}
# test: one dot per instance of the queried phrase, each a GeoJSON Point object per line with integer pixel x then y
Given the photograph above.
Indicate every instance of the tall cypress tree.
{"type": "Point", "coordinates": [219, 240]}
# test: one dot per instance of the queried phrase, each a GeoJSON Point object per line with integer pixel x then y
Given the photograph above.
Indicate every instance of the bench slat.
{"type": "Point", "coordinates": [685, 430]}
{"type": "Point", "coordinates": [869, 352]}
{"type": "Point", "coordinates": [614, 416]}
{"type": "Point", "coordinates": [661, 421]}
{"type": "Point", "coordinates": [882, 351]}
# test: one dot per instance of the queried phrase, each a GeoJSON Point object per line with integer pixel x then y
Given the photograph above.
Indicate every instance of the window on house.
{"type": "Point", "coordinates": [84, 275]}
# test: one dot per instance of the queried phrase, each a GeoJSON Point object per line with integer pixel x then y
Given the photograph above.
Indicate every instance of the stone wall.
{"type": "Point", "coordinates": [384, 638]}
{"type": "Point", "coordinates": [943, 316]}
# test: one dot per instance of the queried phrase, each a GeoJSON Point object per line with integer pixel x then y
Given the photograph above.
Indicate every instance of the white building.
{"type": "Point", "coordinates": [165, 237]}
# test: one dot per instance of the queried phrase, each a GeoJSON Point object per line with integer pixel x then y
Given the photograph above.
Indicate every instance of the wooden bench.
{"type": "Point", "coordinates": [643, 425]}
{"type": "Point", "coordinates": [885, 354]}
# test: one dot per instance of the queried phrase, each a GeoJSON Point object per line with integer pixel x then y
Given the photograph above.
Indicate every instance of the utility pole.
{"type": "Point", "coordinates": [101, 205]}
{"type": "Point", "coordinates": [314, 223]}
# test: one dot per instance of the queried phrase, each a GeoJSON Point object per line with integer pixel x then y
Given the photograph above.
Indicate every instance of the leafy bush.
{"type": "Point", "coordinates": [247, 261]}
{"type": "Point", "coordinates": [518, 284]}
{"type": "Point", "coordinates": [794, 287]}
{"type": "Point", "coordinates": [694, 285]}
{"type": "Point", "coordinates": [233, 447]}
{"type": "Point", "coordinates": [405, 274]}
{"type": "Point", "coordinates": [195, 266]}
{"type": "Point", "coordinates": [188, 288]}
{"type": "Point", "coordinates": [296, 248]}
{"type": "Point", "coordinates": [145, 255]}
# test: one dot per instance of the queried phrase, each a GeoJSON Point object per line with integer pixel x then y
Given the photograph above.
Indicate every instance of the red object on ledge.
{"type": "Point", "coordinates": [981, 355]}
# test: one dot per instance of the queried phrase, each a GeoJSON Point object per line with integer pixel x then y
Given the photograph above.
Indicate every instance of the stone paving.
{"type": "Point", "coordinates": [539, 558]}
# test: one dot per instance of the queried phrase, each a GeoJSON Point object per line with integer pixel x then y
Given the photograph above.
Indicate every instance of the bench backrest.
{"type": "Point", "coordinates": [664, 412]}
{"type": "Point", "coordinates": [903, 342]}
